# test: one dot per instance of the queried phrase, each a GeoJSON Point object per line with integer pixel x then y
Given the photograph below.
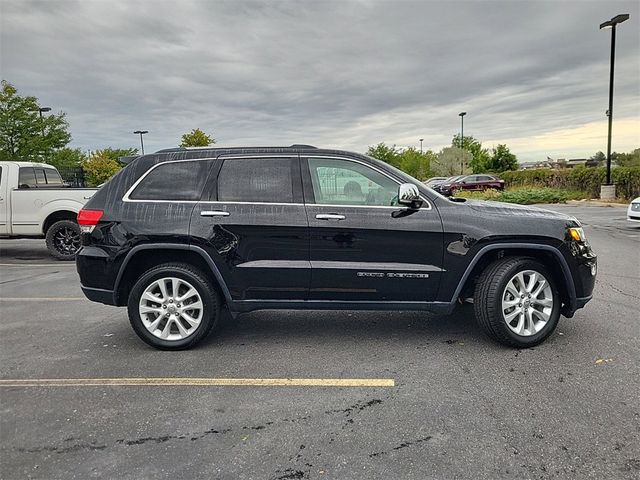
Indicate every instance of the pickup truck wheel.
{"type": "Point", "coordinates": [173, 306]}
{"type": "Point", "coordinates": [63, 239]}
{"type": "Point", "coordinates": [516, 302]}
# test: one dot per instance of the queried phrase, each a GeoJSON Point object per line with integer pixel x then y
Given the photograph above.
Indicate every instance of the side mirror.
{"type": "Point", "coordinates": [409, 195]}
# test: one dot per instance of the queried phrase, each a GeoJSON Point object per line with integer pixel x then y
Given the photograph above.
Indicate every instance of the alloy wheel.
{"type": "Point", "coordinates": [527, 303]}
{"type": "Point", "coordinates": [171, 308]}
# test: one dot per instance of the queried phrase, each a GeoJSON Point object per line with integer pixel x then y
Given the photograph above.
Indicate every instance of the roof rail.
{"type": "Point", "coordinates": [174, 149]}
{"type": "Point", "coordinates": [127, 160]}
{"type": "Point", "coordinates": [302, 145]}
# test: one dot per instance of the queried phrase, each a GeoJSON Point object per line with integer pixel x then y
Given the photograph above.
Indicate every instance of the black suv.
{"type": "Point", "coordinates": [179, 234]}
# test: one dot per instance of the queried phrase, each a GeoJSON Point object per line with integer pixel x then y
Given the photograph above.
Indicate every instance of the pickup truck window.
{"type": "Point", "coordinates": [53, 177]}
{"type": "Point", "coordinates": [40, 178]}
{"type": "Point", "coordinates": [173, 181]}
{"type": "Point", "coordinates": [267, 180]}
{"type": "Point", "coordinates": [26, 177]}
{"type": "Point", "coordinates": [341, 182]}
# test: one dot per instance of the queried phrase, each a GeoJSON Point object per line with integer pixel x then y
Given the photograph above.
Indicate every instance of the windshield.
{"type": "Point", "coordinates": [454, 178]}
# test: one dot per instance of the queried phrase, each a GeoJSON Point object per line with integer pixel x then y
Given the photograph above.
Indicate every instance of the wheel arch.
{"type": "Point", "coordinates": [549, 256]}
{"type": "Point", "coordinates": [56, 216]}
{"type": "Point", "coordinates": [142, 257]}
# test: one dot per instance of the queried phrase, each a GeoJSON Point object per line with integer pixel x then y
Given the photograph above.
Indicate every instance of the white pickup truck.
{"type": "Point", "coordinates": [35, 202]}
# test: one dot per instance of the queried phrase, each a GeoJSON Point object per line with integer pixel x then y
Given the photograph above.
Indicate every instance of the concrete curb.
{"type": "Point", "coordinates": [597, 203]}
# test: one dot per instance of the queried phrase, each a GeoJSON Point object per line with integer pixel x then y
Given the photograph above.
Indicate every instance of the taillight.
{"type": "Point", "coordinates": [88, 219]}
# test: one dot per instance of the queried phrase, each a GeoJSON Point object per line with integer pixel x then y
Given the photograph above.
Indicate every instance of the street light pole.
{"type": "Point", "coordinates": [41, 110]}
{"type": "Point", "coordinates": [612, 25]}
{"type": "Point", "coordinates": [141, 132]}
{"type": "Point", "coordinates": [421, 140]}
{"type": "Point", "coordinates": [461, 115]}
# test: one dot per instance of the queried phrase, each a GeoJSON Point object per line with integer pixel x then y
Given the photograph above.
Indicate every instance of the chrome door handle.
{"type": "Point", "coordinates": [214, 213]}
{"type": "Point", "coordinates": [329, 216]}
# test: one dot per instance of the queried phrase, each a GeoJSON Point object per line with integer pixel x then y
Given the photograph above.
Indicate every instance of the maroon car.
{"type": "Point", "coordinates": [469, 182]}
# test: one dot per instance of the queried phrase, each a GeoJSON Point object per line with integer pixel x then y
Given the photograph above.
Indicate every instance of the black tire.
{"type": "Point", "coordinates": [487, 301]}
{"type": "Point", "coordinates": [63, 239]}
{"type": "Point", "coordinates": [208, 294]}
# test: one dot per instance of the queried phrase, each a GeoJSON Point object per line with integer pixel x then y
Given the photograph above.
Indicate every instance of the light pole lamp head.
{"type": "Point", "coordinates": [141, 132]}
{"type": "Point", "coordinates": [462, 114]}
{"type": "Point", "coordinates": [45, 109]}
{"type": "Point", "coordinates": [614, 21]}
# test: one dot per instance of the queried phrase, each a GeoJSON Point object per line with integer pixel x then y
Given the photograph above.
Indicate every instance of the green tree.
{"type": "Point", "coordinates": [99, 168]}
{"type": "Point", "coordinates": [599, 157]}
{"type": "Point", "coordinates": [416, 164]}
{"type": "Point", "coordinates": [631, 159]}
{"type": "Point", "coordinates": [115, 153]}
{"type": "Point", "coordinates": [67, 158]}
{"type": "Point", "coordinates": [452, 161]}
{"type": "Point", "coordinates": [23, 134]}
{"type": "Point", "coordinates": [385, 153]}
{"type": "Point", "coordinates": [196, 138]}
{"type": "Point", "coordinates": [481, 156]}
{"type": "Point", "coordinates": [502, 160]}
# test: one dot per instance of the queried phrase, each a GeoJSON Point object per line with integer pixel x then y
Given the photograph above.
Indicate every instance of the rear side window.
{"type": "Point", "coordinates": [175, 181]}
{"type": "Point", "coordinates": [266, 180]}
{"type": "Point", "coordinates": [40, 178]}
{"type": "Point", "coordinates": [53, 177]}
{"type": "Point", "coordinates": [26, 177]}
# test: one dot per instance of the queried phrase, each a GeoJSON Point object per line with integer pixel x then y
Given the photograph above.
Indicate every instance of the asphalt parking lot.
{"type": "Point", "coordinates": [460, 406]}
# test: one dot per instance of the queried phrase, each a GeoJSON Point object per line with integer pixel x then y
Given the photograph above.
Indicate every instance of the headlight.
{"type": "Point", "coordinates": [577, 233]}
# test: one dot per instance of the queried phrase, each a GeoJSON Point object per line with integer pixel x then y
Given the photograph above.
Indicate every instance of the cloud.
{"type": "Point", "coordinates": [337, 74]}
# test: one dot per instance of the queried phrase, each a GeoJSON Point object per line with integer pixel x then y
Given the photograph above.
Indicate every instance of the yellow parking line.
{"type": "Point", "coordinates": [41, 299]}
{"type": "Point", "coordinates": [221, 382]}
{"type": "Point", "coordinates": [38, 264]}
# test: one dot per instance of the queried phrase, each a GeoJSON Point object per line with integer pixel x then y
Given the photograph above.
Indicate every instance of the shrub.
{"type": "Point", "coordinates": [525, 196]}
{"type": "Point", "coordinates": [99, 168]}
{"type": "Point", "coordinates": [583, 179]}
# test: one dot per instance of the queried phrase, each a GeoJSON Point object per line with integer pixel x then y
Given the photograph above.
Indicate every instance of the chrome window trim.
{"type": "Point", "coordinates": [126, 197]}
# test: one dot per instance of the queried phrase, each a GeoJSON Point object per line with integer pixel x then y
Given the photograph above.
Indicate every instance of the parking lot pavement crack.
{"type": "Point", "coordinates": [401, 446]}
{"type": "Point", "coordinates": [63, 449]}
{"type": "Point", "coordinates": [621, 292]}
{"type": "Point", "coordinates": [137, 441]}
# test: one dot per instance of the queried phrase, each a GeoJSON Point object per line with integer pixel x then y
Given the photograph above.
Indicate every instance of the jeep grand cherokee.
{"type": "Point", "coordinates": [180, 234]}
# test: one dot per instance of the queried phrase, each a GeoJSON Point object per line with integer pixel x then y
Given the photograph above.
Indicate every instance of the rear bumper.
{"type": "Point", "coordinates": [99, 295]}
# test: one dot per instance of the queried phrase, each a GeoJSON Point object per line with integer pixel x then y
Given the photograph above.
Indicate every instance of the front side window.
{"type": "Point", "coordinates": [267, 180]}
{"type": "Point", "coordinates": [341, 182]}
{"type": "Point", "coordinates": [173, 181]}
{"type": "Point", "coordinates": [26, 177]}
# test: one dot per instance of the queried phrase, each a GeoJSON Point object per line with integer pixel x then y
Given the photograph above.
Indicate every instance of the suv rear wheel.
{"type": "Point", "coordinates": [173, 306]}
{"type": "Point", "coordinates": [516, 302]}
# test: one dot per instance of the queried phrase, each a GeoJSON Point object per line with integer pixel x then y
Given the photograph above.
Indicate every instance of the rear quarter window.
{"type": "Point", "coordinates": [173, 181]}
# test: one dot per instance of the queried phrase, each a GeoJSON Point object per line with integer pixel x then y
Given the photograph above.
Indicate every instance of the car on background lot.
{"type": "Point", "coordinates": [633, 212]}
{"type": "Point", "coordinates": [35, 202]}
{"type": "Point", "coordinates": [477, 183]}
{"type": "Point", "coordinates": [180, 234]}
{"type": "Point", "coordinates": [434, 181]}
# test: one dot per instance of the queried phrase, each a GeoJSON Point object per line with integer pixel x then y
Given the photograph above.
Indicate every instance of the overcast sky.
{"type": "Point", "coordinates": [345, 74]}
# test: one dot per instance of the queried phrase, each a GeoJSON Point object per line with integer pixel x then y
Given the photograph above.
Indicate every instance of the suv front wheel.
{"type": "Point", "coordinates": [173, 306]}
{"type": "Point", "coordinates": [516, 302]}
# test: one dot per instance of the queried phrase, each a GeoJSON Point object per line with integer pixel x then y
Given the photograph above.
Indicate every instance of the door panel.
{"type": "Point", "coordinates": [361, 252]}
{"type": "Point", "coordinates": [261, 246]}
{"type": "Point", "coordinates": [4, 201]}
